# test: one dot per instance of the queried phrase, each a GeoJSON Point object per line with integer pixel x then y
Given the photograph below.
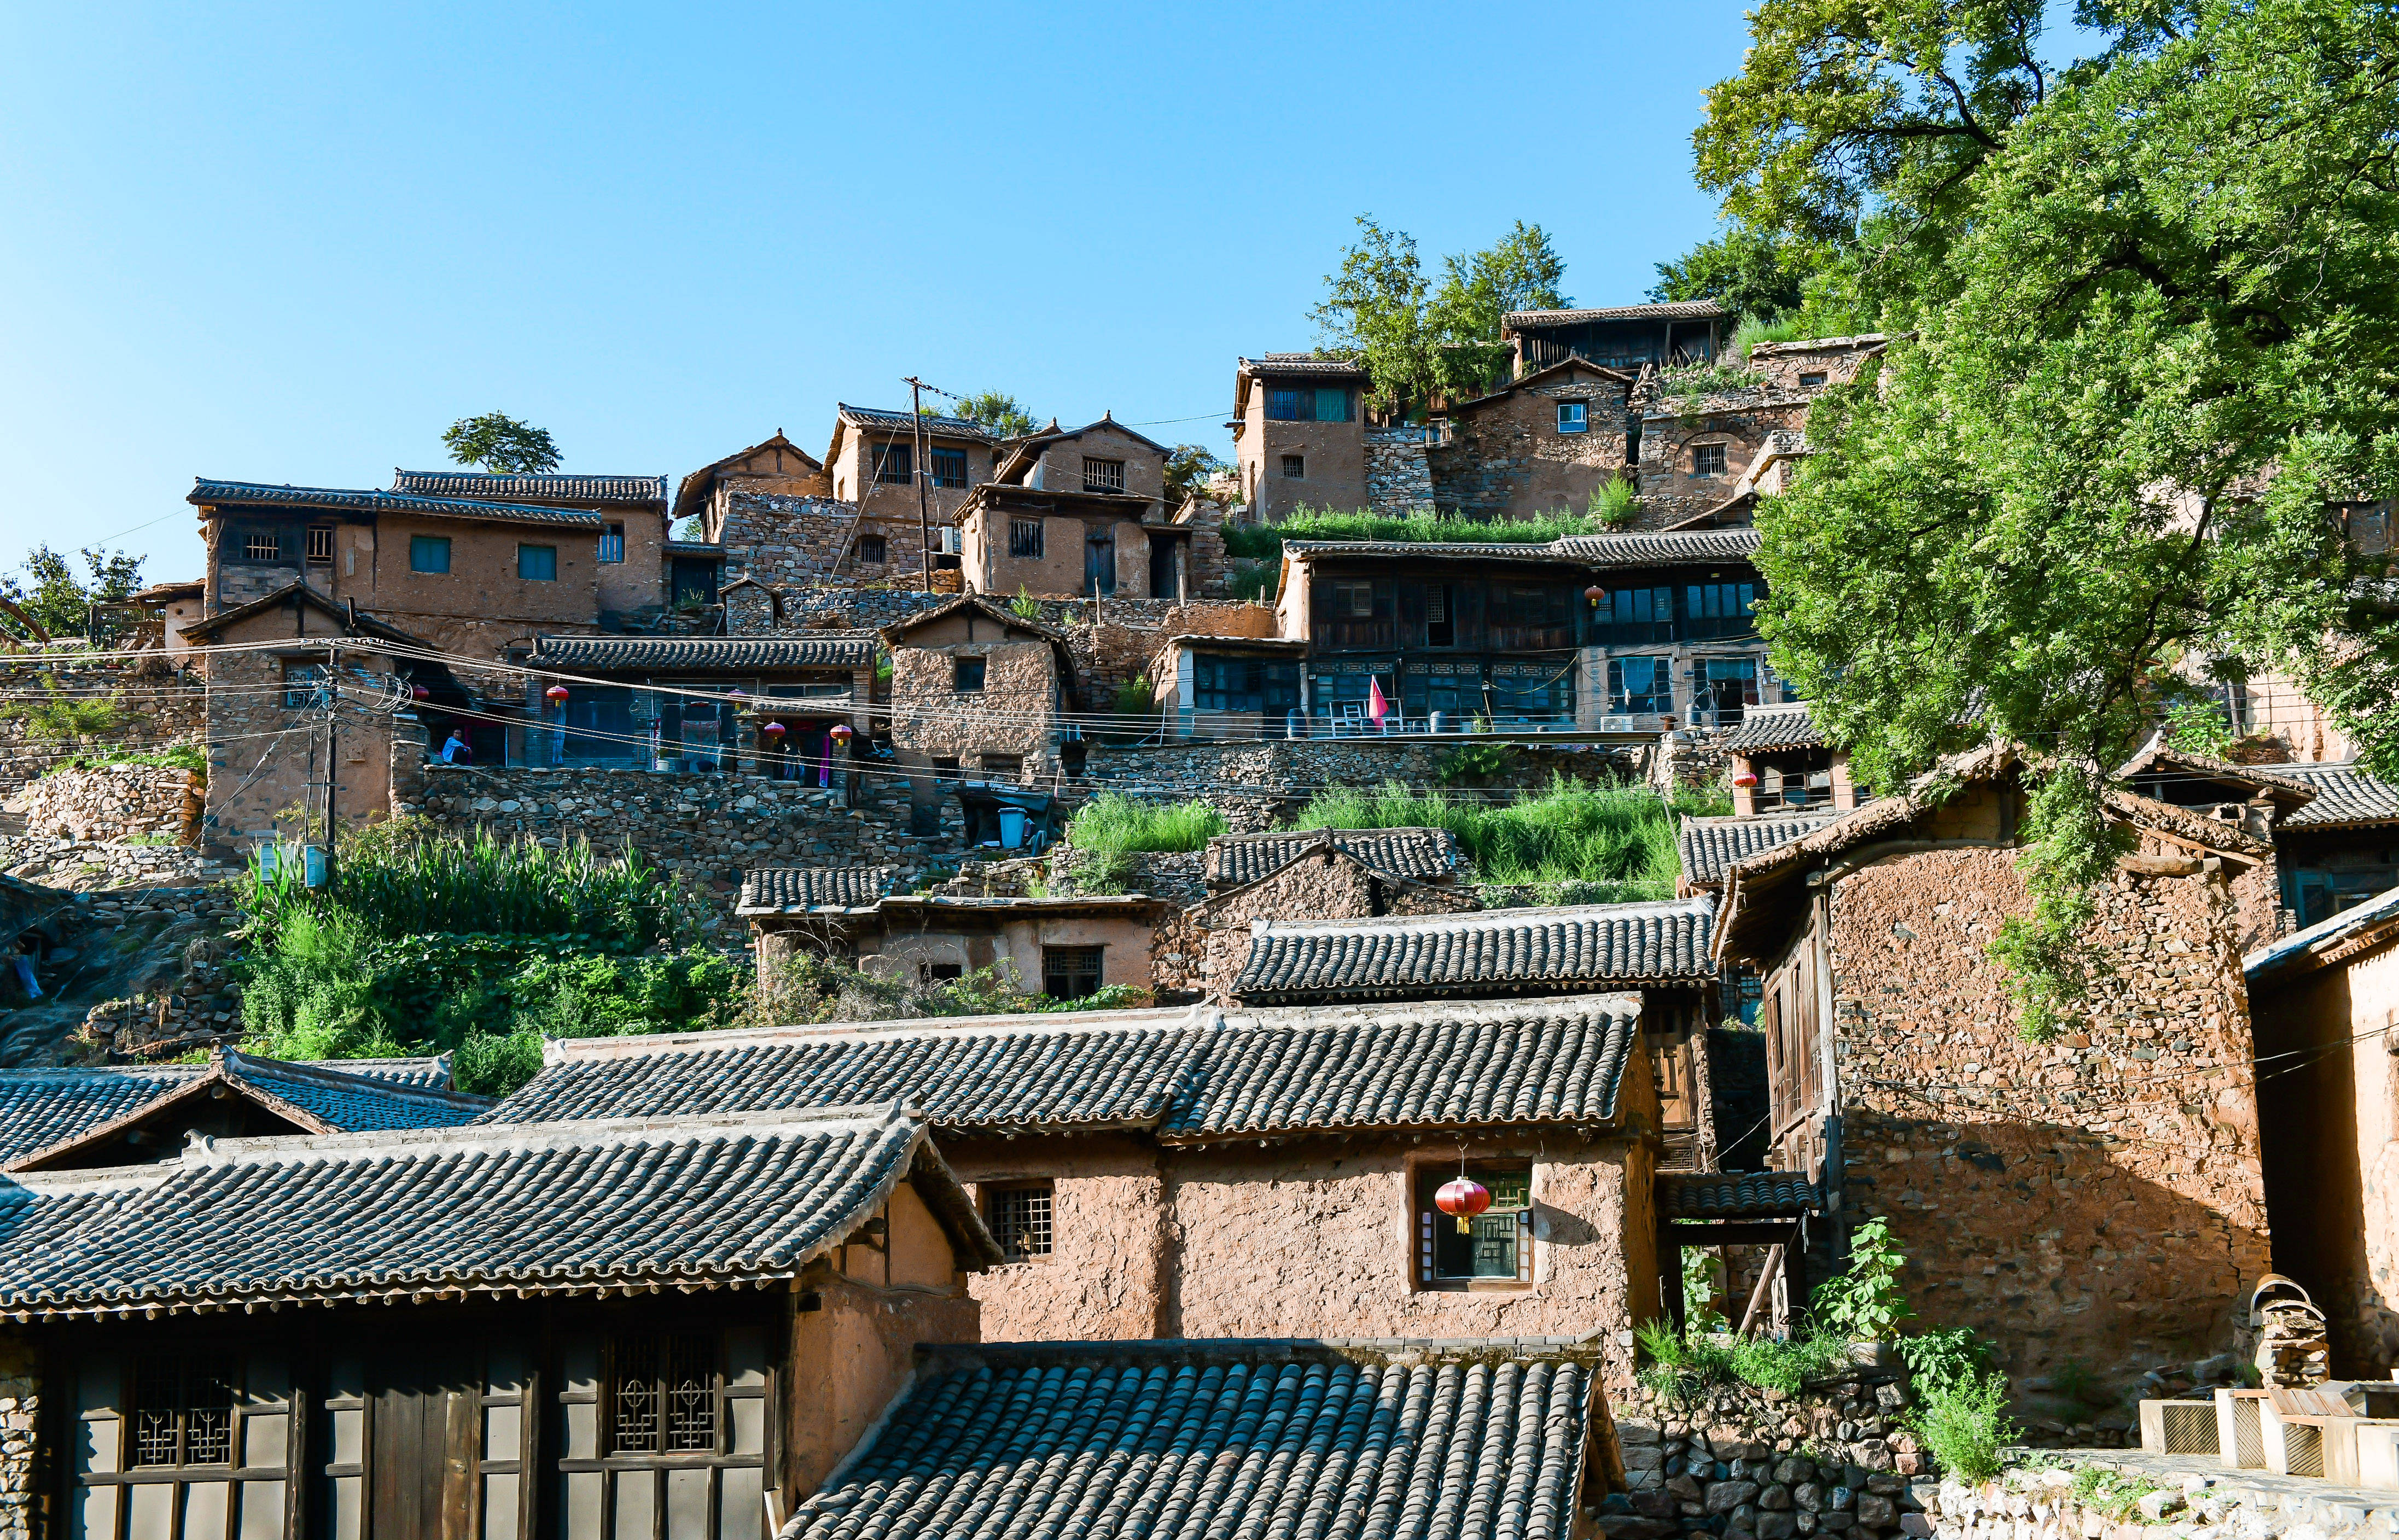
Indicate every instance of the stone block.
{"type": "Point", "coordinates": [1725, 1496]}
{"type": "Point", "coordinates": [1776, 1526]}
{"type": "Point", "coordinates": [1808, 1497]}
{"type": "Point", "coordinates": [1875, 1511]}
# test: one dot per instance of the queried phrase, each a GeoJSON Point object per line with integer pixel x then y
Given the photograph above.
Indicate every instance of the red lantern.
{"type": "Point", "coordinates": [420, 692]}
{"type": "Point", "coordinates": [1595, 593]}
{"type": "Point", "coordinates": [557, 693]}
{"type": "Point", "coordinates": [840, 734]}
{"type": "Point", "coordinates": [1746, 778]}
{"type": "Point", "coordinates": [1462, 1200]}
{"type": "Point", "coordinates": [774, 729]}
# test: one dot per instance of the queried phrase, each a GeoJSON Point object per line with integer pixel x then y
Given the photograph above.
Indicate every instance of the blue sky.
{"type": "Point", "coordinates": [293, 243]}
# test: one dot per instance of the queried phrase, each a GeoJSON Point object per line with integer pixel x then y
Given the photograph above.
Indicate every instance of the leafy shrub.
{"type": "Point", "coordinates": [1264, 541]}
{"type": "Point", "coordinates": [1134, 698]}
{"type": "Point", "coordinates": [1619, 836]}
{"type": "Point", "coordinates": [1113, 824]}
{"type": "Point", "coordinates": [1864, 1302]}
{"type": "Point", "coordinates": [1965, 1426]}
{"type": "Point", "coordinates": [55, 716]}
{"type": "Point", "coordinates": [1952, 1358]}
{"type": "Point", "coordinates": [172, 756]}
{"type": "Point", "coordinates": [1024, 605]}
{"type": "Point", "coordinates": [1615, 503]}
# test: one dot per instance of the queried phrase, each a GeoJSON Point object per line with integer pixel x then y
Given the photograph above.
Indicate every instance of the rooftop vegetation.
{"type": "Point", "coordinates": [1113, 824]}
{"type": "Point", "coordinates": [1261, 542]}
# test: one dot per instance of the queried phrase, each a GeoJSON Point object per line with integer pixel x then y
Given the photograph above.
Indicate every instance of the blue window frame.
{"type": "Point", "coordinates": [429, 553]}
{"type": "Point", "coordinates": [1574, 416]}
{"type": "Point", "coordinates": [1640, 686]}
{"type": "Point", "coordinates": [537, 563]}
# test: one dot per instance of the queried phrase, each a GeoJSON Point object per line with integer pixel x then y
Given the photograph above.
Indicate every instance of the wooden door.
{"type": "Point", "coordinates": [422, 1416]}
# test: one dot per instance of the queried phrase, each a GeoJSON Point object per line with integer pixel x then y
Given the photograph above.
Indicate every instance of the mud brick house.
{"type": "Point", "coordinates": [267, 715]}
{"type": "Point", "coordinates": [1067, 946]}
{"type": "Point", "coordinates": [974, 684]}
{"type": "Point", "coordinates": [1154, 1434]}
{"type": "Point", "coordinates": [1229, 686]}
{"type": "Point", "coordinates": [1621, 631]}
{"type": "Point", "coordinates": [1781, 762]}
{"type": "Point", "coordinates": [1300, 433]}
{"type": "Point", "coordinates": [1663, 950]}
{"type": "Point", "coordinates": [2097, 1198]}
{"type": "Point", "coordinates": [1815, 363]}
{"type": "Point", "coordinates": [1695, 448]}
{"type": "Point", "coordinates": [1202, 1173]}
{"type": "Point", "coordinates": [2341, 848]}
{"type": "Point", "coordinates": [633, 533]}
{"type": "Point", "coordinates": [1064, 544]}
{"type": "Point", "coordinates": [75, 1120]}
{"type": "Point", "coordinates": [872, 463]}
{"type": "Point", "coordinates": [775, 467]}
{"type": "Point", "coordinates": [1675, 334]}
{"type": "Point", "coordinates": [704, 702]}
{"type": "Point", "coordinates": [663, 1326]}
{"type": "Point", "coordinates": [1325, 873]}
{"type": "Point", "coordinates": [2327, 1007]}
{"type": "Point", "coordinates": [462, 575]}
{"type": "Point", "coordinates": [1542, 444]}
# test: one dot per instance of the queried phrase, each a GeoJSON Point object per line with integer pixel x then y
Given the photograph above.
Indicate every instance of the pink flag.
{"type": "Point", "coordinates": [1376, 707]}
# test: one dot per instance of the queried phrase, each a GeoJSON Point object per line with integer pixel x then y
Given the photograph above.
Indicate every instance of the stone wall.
{"type": "Point", "coordinates": [1506, 458]}
{"type": "Point", "coordinates": [1749, 1464]}
{"type": "Point", "coordinates": [2095, 1200]}
{"type": "Point", "coordinates": [1256, 784]}
{"type": "Point", "coordinates": [788, 542]}
{"type": "Point", "coordinates": [154, 705]}
{"type": "Point", "coordinates": [119, 802]}
{"type": "Point", "coordinates": [1200, 950]}
{"type": "Point", "coordinates": [1013, 712]}
{"type": "Point", "coordinates": [708, 828]}
{"type": "Point", "coordinates": [20, 1400]}
{"type": "Point", "coordinates": [753, 611]}
{"type": "Point", "coordinates": [1399, 479]}
{"type": "Point", "coordinates": [82, 866]}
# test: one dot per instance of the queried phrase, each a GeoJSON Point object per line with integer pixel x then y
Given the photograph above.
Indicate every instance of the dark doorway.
{"type": "Point", "coordinates": [422, 1411]}
{"type": "Point", "coordinates": [695, 580]}
{"type": "Point", "coordinates": [1100, 564]}
{"type": "Point", "coordinates": [1164, 581]}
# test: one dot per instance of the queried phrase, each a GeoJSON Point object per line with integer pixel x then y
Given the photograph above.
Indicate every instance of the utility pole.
{"type": "Point", "coordinates": [332, 752]}
{"type": "Point", "coordinates": [924, 494]}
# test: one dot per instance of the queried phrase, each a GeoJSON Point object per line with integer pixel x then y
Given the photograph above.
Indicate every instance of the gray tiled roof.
{"type": "Point", "coordinates": [1604, 552]}
{"type": "Point", "coordinates": [2345, 795]}
{"type": "Point", "coordinates": [1466, 1064]}
{"type": "Point", "coordinates": [1711, 845]}
{"type": "Point", "coordinates": [773, 889]}
{"type": "Point", "coordinates": [1733, 1194]}
{"type": "Point", "coordinates": [944, 427]}
{"type": "Point", "coordinates": [42, 1108]}
{"type": "Point", "coordinates": [1192, 1074]}
{"type": "Point", "coordinates": [1553, 951]}
{"type": "Point", "coordinates": [569, 1208]}
{"type": "Point", "coordinates": [577, 489]}
{"type": "Point", "coordinates": [265, 495]}
{"type": "Point", "coordinates": [1787, 727]}
{"type": "Point", "coordinates": [1429, 1441]}
{"type": "Point", "coordinates": [821, 650]}
{"type": "Point", "coordinates": [1671, 310]}
{"type": "Point", "coordinates": [1301, 363]}
{"type": "Point", "coordinates": [1421, 855]}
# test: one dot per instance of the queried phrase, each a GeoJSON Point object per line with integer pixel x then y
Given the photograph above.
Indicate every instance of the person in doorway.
{"type": "Point", "coordinates": [456, 750]}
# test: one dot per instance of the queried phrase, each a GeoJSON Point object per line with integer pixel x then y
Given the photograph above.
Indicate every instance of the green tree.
{"type": "Point", "coordinates": [2147, 330]}
{"type": "Point", "coordinates": [1421, 339]}
{"type": "Point", "coordinates": [501, 444]}
{"type": "Point", "coordinates": [1188, 470]}
{"type": "Point", "coordinates": [1753, 275]}
{"type": "Point", "coordinates": [54, 597]}
{"type": "Point", "coordinates": [1521, 271]}
{"type": "Point", "coordinates": [1001, 415]}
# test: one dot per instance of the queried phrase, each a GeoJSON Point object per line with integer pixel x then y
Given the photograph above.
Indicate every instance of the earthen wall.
{"type": "Point", "coordinates": [1506, 458]}
{"type": "Point", "coordinates": [1013, 713]}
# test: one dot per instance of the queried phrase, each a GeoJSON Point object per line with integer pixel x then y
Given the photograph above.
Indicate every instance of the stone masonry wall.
{"type": "Point", "coordinates": [154, 705]}
{"type": "Point", "coordinates": [1507, 459]}
{"type": "Point", "coordinates": [2098, 1199]}
{"type": "Point", "coordinates": [1399, 479]}
{"type": "Point", "coordinates": [1013, 713]}
{"type": "Point", "coordinates": [119, 802]}
{"type": "Point", "coordinates": [1201, 950]}
{"type": "Point", "coordinates": [21, 1398]}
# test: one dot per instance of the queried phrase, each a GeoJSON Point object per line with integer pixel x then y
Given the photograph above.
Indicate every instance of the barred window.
{"type": "Point", "coordinates": [949, 467]}
{"type": "Point", "coordinates": [1019, 1217]}
{"type": "Point", "coordinates": [261, 545]}
{"type": "Point", "coordinates": [663, 1395]}
{"type": "Point", "coordinates": [1810, 381]}
{"type": "Point", "coordinates": [1024, 537]}
{"type": "Point", "coordinates": [1102, 475]}
{"type": "Point", "coordinates": [321, 543]}
{"type": "Point", "coordinates": [1295, 467]}
{"type": "Point", "coordinates": [895, 464]}
{"type": "Point", "coordinates": [612, 545]}
{"type": "Point", "coordinates": [183, 1411]}
{"type": "Point", "coordinates": [301, 683]}
{"type": "Point", "coordinates": [1070, 973]}
{"type": "Point", "coordinates": [1707, 459]}
{"type": "Point", "coordinates": [871, 551]}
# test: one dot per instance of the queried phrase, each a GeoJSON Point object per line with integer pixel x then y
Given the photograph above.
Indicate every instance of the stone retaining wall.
{"type": "Point", "coordinates": [1398, 480]}
{"type": "Point", "coordinates": [154, 705]}
{"type": "Point", "coordinates": [121, 801]}
{"type": "Point", "coordinates": [20, 1404]}
{"type": "Point", "coordinates": [86, 865]}
{"type": "Point", "coordinates": [2057, 1501]}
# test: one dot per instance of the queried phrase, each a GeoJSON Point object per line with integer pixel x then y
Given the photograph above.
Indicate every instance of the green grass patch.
{"type": "Point", "coordinates": [172, 756]}
{"type": "Point", "coordinates": [1615, 840]}
{"type": "Point", "coordinates": [1259, 541]}
{"type": "Point", "coordinates": [1113, 824]}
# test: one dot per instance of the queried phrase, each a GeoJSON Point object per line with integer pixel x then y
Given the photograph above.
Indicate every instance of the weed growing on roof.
{"type": "Point", "coordinates": [1260, 542]}
{"type": "Point", "coordinates": [172, 756]}
{"type": "Point", "coordinates": [1113, 824]}
{"type": "Point", "coordinates": [1617, 834]}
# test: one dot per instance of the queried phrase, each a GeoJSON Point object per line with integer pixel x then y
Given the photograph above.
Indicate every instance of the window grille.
{"type": "Point", "coordinates": [949, 467]}
{"type": "Point", "coordinates": [320, 544]}
{"type": "Point", "coordinates": [1291, 406]}
{"type": "Point", "coordinates": [664, 1398]}
{"type": "Point", "coordinates": [871, 549]}
{"type": "Point", "coordinates": [262, 545]}
{"type": "Point", "coordinates": [895, 464]}
{"type": "Point", "coordinates": [183, 1411]}
{"type": "Point", "coordinates": [1019, 1221]}
{"type": "Point", "coordinates": [1295, 467]}
{"type": "Point", "coordinates": [301, 682]}
{"type": "Point", "coordinates": [1707, 459]}
{"type": "Point", "coordinates": [612, 544]}
{"type": "Point", "coordinates": [1497, 1243]}
{"type": "Point", "coordinates": [1070, 973]}
{"type": "Point", "coordinates": [1102, 475]}
{"type": "Point", "coordinates": [1024, 537]}
{"type": "Point", "coordinates": [1808, 382]}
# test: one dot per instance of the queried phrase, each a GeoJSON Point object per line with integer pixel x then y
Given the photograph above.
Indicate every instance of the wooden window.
{"type": "Point", "coordinates": [895, 464]}
{"type": "Point", "coordinates": [183, 1411]}
{"type": "Point", "coordinates": [261, 545]}
{"type": "Point", "coordinates": [429, 553]}
{"type": "Point", "coordinates": [1574, 416]}
{"type": "Point", "coordinates": [1497, 1245]}
{"type": "Point", "coordinates": [320, 544]}
{"type": "Point", "coordinates": [301, 683]}
{"type": "Point", "coordinates": [1810, 381]}
{"type": "Point", "coordinates": [1289, 405]}
{"type": "Point", "coordinates": [966, 673]}
{"type": "Point", "coordinates": [1244, 684]}
{"type": "Point", "coordinates": [949, 467]}
{"type": "Point", "coordinates": [1640, 686]}
{"type": "Point", "coordinates": [1070, 973]}
{"type": "Point", "coordinates": [1332, 403]}
{"type": "Point", "coordinates": [1024, 537]}
{"type": "Point", "coordinates": [1004, 766]}
{"type": "Point", "coordinates": [1635, 616]}
{"type": "Point", "coordinates": [871, 549]}
{"type": "Point", "coordinates": [1019, 1215]}
{"type": "Point", "coordinates": [537, 563]}
{"type": "Point", "coordinates": [612, 544]}
{"type": "Point", "coordinates": [1719, 608]}
{"type": "Point", "coordinates": [1102, 475]}
{"type": "Point", "coordinates": [662, 1395]}
{"type": "Point", "coordinates": [1295, 467]}
{"type": "Point", "coordinates": [1707, 459]}
{"type": "Point", "coordinates": [1354, 601]}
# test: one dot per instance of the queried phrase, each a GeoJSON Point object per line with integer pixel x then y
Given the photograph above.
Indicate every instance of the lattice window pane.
{"type": "Point", "coordinates": [638, 1414]}
{"type": "Point", "coordinates": [183, 1411]}
{"type": "Point", "coordinates": [1020, 1219]}
{"type": "Point", "coordinates": [208, 1427]}
{"type": "Point", "coordinates": [156, 1423]}
{"type": "Point", "coordinates": [689, 1393]}
{"type": "Point", "coordinates": [664, 1396]}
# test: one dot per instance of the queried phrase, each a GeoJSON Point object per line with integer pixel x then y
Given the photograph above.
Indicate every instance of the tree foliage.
{"type": "Point", "coordinates": [1755, 275]}
{"type": "Point", "coordinates": [1421, 339]}
{"type": "Point", "coordinates": [51, 595]}
{"type": "Point", "coordinates": [1001, 415]}
{"type": "Point", "coordinates": [2148, 329]}
{"type": "Point", "coordinates": [1188, 471]}
{"type": "Point", "coordinates": [501, 445]}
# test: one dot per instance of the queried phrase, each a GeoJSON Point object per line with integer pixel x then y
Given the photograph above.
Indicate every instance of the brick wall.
{"type": "Point", "coordinates": [2098, 1199]}
{"type": "Point", "coordinates": [116, 803]}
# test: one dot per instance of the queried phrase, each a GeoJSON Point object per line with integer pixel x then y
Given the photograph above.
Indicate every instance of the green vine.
{"type": "Point", "coordinates": [2071, 849]}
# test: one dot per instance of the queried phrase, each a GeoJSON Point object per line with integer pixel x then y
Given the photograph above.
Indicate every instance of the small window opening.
{"type": "Point", "coordinates": [320, 544]}
{"type": "Point", "coordinates": [966, 673]}
{"type": "Point", "coordinates": [1295, 467]}
{"type": "Point", "coordinates": [1070, 973]}
{"type": "Point", "coordinates": [1102, 475]}
{"type": "Point", "coordinates": [1024, 537]}
{"type": "Point", "coordinates": [1707, 459]}
{"type": "Point", "coordinates": [871, 549]}
{"type": "Point", "coordinates": [1496, 1244]}
{"type": "Point", "coordinates": [1020, 1219]}
{"type": "Point", "coordinates": [663, 1399]}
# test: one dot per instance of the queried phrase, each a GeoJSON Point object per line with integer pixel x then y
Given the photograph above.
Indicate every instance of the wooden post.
{"type": "Point", "coordinates": [1670, 1255]}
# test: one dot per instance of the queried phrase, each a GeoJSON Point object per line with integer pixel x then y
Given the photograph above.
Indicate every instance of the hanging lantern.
{"type": "Point", "coordinates": [1462, 1200]}
{"type": "Point", "coordinates": [774, 729]}
{"type": "Point", "coordinates": [557, 693]}
{"type": "Point", "coordinates": [1595, 593]}
{"type": "Point", "coordinates": [840, 734]}
{"type": "Point", "coordinates": [1744, 778]}
{"type": "Point", "coordinates": [420, 693]}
